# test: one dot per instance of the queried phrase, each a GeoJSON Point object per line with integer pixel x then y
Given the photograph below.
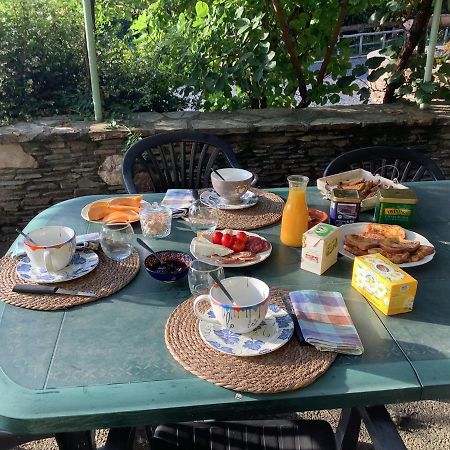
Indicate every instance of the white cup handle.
{"type": "Point", "coordinates": [200, 315]}
{"type": "Point", "coordinates": [48, 262]}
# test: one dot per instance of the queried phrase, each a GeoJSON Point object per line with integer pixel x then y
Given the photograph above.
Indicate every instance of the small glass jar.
{"type": "Point", "coordinates": [156, 220]}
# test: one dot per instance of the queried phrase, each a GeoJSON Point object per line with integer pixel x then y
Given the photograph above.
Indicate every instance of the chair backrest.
{"type": "Point", "coordinates": [174, 160]}
{"type": "Point", "coordinates": [389, 162]}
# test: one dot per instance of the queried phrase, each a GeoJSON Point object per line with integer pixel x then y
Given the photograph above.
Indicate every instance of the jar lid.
{"type": "Point", "coordinates": [155, 207]}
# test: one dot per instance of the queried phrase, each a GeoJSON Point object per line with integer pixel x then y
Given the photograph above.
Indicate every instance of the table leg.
{"type": "Point", "coordinates": [120, 438]}
{"type": "Point", "coordinates": [80, 440]}
{"type": "Point", "coordinates": [381, 428]}
{"type": "Point", "coordinates": [347, 431]}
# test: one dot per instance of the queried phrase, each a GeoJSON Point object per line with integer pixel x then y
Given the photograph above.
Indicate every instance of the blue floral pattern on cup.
{"type": "Point", "coordinates": [273, 332]}
{"type": "Point", "coordinates": [82, 262]}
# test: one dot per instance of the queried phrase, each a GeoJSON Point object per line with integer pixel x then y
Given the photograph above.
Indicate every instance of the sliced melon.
{"type": "Point", "coordinates": [126, 201]}
{"type": "Point", "coordinates": [98, 210]}
{"type": "Point", "coordinates": [125, 208]}
{"type": "Point", "coordinates": [121, 217]}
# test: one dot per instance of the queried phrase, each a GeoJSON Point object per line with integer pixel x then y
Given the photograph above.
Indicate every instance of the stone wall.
{"type": "Point", "coordinates": [50, 160]}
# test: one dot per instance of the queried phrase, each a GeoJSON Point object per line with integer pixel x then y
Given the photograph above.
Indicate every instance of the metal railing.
{"type": "Point", "coordinates": [367, 41]}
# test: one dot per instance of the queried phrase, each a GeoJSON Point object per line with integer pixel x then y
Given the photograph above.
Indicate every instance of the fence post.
{"type": "Point", "coordinates": [90, 42]}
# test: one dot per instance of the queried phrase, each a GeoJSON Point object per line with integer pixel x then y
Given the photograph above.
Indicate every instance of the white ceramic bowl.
{"type": "Point", "coordinates": [236, 183]}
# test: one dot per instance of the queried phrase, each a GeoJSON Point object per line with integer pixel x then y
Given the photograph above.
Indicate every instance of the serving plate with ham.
{"type": "Point", "coordinates": [255, 250]}
{"type": "Point", "coordinates": [403, 247]}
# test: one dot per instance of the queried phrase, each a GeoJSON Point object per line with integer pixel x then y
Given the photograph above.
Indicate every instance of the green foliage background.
{"type": "Point", "coordinates": [165, 55]}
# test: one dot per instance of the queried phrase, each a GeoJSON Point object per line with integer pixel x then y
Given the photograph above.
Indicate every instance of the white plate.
{"type": "Point", "coordinates": [83, 262]}
{"type": "Point", "coordinates": [325, 184]}
{"type": "Point", "coordinates": [211, 198]}
{"type": "Point", "coordinates": [259, 257]}
{"type": "Point", "coordinates": [273, 332]}
{"type": "Point", "coordinates": [84, 211]}
{"type": "Point", "coordinates": [358, 228]}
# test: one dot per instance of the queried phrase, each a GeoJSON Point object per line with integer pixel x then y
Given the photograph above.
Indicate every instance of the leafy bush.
{"type": "Point", "coordinates": [44, 70]}
{"type": "Point", "coordinates": [41, 61]}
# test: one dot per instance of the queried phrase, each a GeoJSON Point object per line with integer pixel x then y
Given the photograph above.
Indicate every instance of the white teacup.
{"type": "Point", "coordinates": [236, 183]}
{"type": "Point", "coordinates": [55, 247]}
{"type": "Point", "coordinates": [251, 297]}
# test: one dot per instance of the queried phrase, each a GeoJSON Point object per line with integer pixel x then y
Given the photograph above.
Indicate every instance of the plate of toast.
{"type": "Point", "coordinates": [403, 247]}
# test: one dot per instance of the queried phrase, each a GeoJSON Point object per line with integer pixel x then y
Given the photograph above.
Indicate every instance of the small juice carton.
{"type": "Point", "coordinates": [320, 248]}
{"type": "Point", "coordinates": [384, 284]}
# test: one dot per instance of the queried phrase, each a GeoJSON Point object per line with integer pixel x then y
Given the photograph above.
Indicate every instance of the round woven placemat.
{"type": "Point", "coordinates": [108, 277]}
{"type": "Point", "coordinates": [290, 367]}
{"type": "Point", "coordinates": [267, 211]}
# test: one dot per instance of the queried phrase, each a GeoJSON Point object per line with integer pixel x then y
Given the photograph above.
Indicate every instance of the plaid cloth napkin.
{"type": "Point", "coordinates": [178, 199]}
{"type": "Point", "coordinates": [325, 321]}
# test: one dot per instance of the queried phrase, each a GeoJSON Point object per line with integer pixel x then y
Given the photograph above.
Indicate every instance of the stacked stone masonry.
{"type": "Point", "coordinates": [54, 159]}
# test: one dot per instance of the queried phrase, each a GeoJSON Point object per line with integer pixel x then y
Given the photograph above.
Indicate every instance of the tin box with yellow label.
{"type": "Point", "coordinates": [384, 284]}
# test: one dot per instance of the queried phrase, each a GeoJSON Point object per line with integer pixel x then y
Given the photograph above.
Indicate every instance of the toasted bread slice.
{"type": "Point", "coordinates": [395, 245]}
{"type": "Point", "coordinates": [354, 250]}
{"type": "Point", "coordinates": [363, 243]}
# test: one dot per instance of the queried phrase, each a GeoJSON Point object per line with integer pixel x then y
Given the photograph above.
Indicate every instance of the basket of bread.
{"type": "Point", "coordinates": [403, 247]}
{"type": "Point", "coordinates": [360, 180]}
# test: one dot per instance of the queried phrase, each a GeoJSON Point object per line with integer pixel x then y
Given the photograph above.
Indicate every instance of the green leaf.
{"type": "Point", "coordinates": [202, 9]}
{"type": "Point", "coordinates": [334, 98]}
{"type": "Point", "coordinates": [220, 83]}
{"type": "Point", "coordinates": [257, 75]}
{"type": "Point", "coordinates": [345, 81]}
{"type": "Point", "coordinates": [364, 94]}
{"type": "Point", "coordinates": [373, 63]}
{"type": "Point", "coordinates": [423, 97]}
{"type": "Point", "coordinates": [243, 29]}
{"type": "Point", "coordinates": [428, 87]}
{"type": "Point", "coordinates": [239, 12]}
{"type": "Point", "coordinates": [359, 70]}
{"type": "Point", "coordinates": [397, 78]}
{"type": "Point", "coordinates": [405, 89]}
{"type": "Point", "coordinates": [373, 76]}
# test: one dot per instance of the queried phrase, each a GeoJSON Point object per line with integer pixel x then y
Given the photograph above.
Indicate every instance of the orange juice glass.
{"type": "Point", "coordinates": [295, 214]}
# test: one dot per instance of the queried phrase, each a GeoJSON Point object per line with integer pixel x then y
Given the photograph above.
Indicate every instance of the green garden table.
{"type": "Point", "coordinates": [105, 364]}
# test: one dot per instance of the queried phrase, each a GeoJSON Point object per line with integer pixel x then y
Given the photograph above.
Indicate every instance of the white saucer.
{"type": "Point", "coordinates": [211, 198]}
{"type": "Point", "coordinates": [275, 331]}
{"type": "Point", "coordinates": [83, 262]}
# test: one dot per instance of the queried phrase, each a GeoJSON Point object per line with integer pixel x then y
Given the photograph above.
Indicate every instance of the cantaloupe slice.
{"type": "Point", "coordinates": [125, 208]}
{"type": "Point", "coordinates": [121, 217]}
{"type": "Point", "coordinates": [98, 210]}
{"type": "Point", "coordinates": [126, 201]}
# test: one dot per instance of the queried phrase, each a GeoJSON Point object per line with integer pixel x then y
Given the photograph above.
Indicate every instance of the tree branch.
{"type": "Point", "coordinates": [292, 52]}
{"type": "Point", "coordinates": [419, 26]}
{"type": "Point", "coordinates": [333, 41]}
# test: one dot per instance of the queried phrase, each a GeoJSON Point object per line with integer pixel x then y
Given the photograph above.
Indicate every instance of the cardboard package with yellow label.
{"type": "Point", "coordinates": [384, 284]}
{"type": "Point", "coordinates": [320, 248]}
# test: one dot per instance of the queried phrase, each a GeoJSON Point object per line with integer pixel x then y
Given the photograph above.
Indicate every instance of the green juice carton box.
{"type": "Point", "coordinates": [320, 248]}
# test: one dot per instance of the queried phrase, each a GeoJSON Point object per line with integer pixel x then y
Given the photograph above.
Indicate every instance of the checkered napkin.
{"type": "Point", "coordinates": [178, 199]}
{"type": "Point", "coordinates": [325, 321]}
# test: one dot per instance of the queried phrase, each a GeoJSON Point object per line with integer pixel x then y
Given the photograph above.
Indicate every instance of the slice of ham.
{"type": "Point", "coordinates": [255, 244]}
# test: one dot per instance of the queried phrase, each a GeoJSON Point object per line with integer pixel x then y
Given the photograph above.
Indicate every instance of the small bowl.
{"type": "Point", "coordinates": [316, 216]}
{"type": "Point", "coordinates": [151, 265]}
